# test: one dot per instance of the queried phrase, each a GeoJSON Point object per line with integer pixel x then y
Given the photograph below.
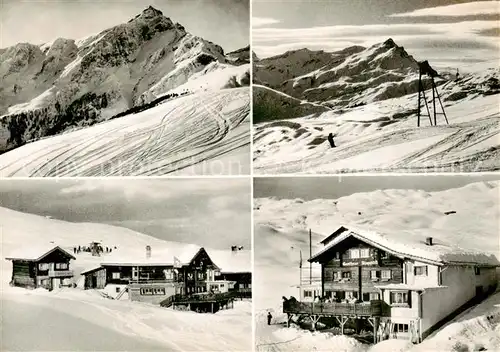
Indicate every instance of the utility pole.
{"type": "Point", "coordinates": [310, 256]}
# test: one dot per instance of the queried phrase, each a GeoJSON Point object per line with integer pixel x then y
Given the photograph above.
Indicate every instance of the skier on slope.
{"type": "Point", "coordinates": [330, 139]}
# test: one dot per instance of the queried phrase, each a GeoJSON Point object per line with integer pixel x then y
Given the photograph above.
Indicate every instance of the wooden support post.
{"type": "Point", "coordinates": [342, 322]}
{"type": "Point", "coordinates": [314, 319]}
{"type": "Point", "coordinates": [212, 307]}
{"type": "Point", "coordinates": [418, 101]}
{"type": "Point", "coordinates": [434, 101]}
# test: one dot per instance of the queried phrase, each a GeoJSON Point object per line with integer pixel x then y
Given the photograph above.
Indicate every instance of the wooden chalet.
{"type": "Point", "coordinates": [240, 282]}
{"type": "Point", "coordinates": [373, 282]}
{"type": "Point", "coordinates": [186, 281]}
{"type": "Point", "coordinates": [47, 268]}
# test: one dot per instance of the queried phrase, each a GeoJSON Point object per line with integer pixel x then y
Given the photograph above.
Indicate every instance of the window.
{"type": "Point", "coordinates": [420, 270]}
{"type": "Point", "coordinates": [152, 291]}
{"type": "Point", "coordinates": [117, 290]}
{"type": "Point", "coordinates": [346, 275]}
{"type": "Point", "coordinates": [351, 295]}
{"type": "Point", "coordinates": [477, 271]}
{"type": "Point", "coordinates": [400, 328]}
{"type": "Point", "coordinates": [365, 253]}
{"type": "Point", "coordinates": [43, 266]}
{"type": "Point", "coordinates": [336, 276]}
{"type": "Point", "coordinates": [146, 292]}
{"type": "Point", "coordinates": [159, 291]}
{"type": "Point", "coordinates": [399, 298]}
{"type": "Point", "coordinates": [354, 253]}
{"type": "Point", "coordinates": [169, 274]}
{"type": "Point", "coordinates": [115, 275]}
{"type": "Point", "coordinates": [307, 293]}
{"type": "Point", "coordinates": [374, 296]}
{"type": "Point", "coordinates": [201, 275]}
{"type": "Point", "coordinates": [374, 274]}
{"type": "Point", "coordinates": [62, 266]}
{"type": "Point", "coordinates": [386, 275]}
{"type": "Point", "coordinates": [384, 255]}
{"type": "Point", "coordinates": [366, 297]}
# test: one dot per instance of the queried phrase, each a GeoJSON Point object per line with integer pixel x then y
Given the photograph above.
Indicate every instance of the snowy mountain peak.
{"type": "Point", "coordinates": [389, 43]}
{"type": "Point", "coordinates": [78, 83]}
{"type": "Point", "coordinates": [151, 12]}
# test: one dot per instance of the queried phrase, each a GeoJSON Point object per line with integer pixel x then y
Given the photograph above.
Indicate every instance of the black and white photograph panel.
{"type": "Point", "coordinates": [126, 265]}
{"type": "Point", "coordinates": [375, 86]}
{"type": "Point", "coordinates": [124, 88]}
{"type": "Point", "coordinates": [371, 264]}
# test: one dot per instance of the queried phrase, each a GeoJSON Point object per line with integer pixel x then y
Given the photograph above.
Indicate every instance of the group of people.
{"type": "Point", "coordinates": [99, 249]}
{"type": "Point", "coordinates": [334, 299]}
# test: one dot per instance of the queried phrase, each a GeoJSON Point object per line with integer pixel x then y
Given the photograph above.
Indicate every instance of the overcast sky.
{"type": "Point", "coordinates": [334, 187]}
{"type": "Point", "coordinates": [225, 22]}
{"type": "Point", "coordinates": [449, 33]}
{"type": "Point", "coordinates": [190, 211]}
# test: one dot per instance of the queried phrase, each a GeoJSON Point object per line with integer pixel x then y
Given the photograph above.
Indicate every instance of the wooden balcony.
{"type": "Point", "coordinates": [198, 298]}
{"type": "Point", "coordinates": [60, 273]}
{"type": "Point", "coordinates": [374, 308]}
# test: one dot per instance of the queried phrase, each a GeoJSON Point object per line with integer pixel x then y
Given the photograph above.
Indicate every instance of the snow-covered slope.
{"type": "Point", "coordinates": [78, 318]}
{"type": "Point", "coordinates": [205, 133]}
{"type": "Point", "coordinates": [369, 101]}
{"type": "Point", "coordinates": [72, 83]}
{"type": "Point", "coordinates": [383, 135]}
{"type": "Point", "coordinates": [281, 232]}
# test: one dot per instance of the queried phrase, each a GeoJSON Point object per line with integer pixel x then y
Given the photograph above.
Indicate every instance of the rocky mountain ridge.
{"type": "Point", "coordinates": [347, 79]}
{"type": "Point", "coordinates": [73, 83]}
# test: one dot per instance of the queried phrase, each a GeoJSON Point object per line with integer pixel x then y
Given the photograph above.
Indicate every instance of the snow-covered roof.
{"type": "Point", "coordinates": [91, 269]}
{"type": "Point", "coordinates": [159, 256]}
{"type": "Point", "coordinates": [35, 253]}
{"type": "Point", "coordinates": [412, 245]}
{"type": "Point", "coordinates": [232, 262]}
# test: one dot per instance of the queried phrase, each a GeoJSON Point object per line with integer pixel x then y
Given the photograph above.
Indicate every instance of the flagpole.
{"type": "Point", "coordinates": [300, 279]}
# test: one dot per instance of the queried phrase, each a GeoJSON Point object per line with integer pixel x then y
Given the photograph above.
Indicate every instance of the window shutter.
{"type": "Point", "coordinates": [409, 299]}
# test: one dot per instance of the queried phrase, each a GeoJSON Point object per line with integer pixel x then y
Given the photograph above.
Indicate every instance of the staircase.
{"type": "Point", "coordinates": [122, 292]}
{"type": "Point", "coordinates": [168, 301]}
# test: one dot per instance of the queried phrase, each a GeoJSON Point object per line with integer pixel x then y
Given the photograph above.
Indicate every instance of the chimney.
{"type": "Point", "coordinates": [428, 241]}
{"type": "Point", "coordinates": [148, 252]}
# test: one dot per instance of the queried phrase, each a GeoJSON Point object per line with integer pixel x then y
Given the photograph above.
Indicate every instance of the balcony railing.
{"type": "Point", "coordinates": [154, 281]}
{"type": "Point", "coordinates": [60, 273]}
{"type": "Point", "coordinates": [198, 298]}
{"type": "Point", "coordinates": [374, 308]}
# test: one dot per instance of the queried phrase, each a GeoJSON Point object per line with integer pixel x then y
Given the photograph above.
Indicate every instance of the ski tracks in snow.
{"type": "Point", "coordinates": [165, 139]}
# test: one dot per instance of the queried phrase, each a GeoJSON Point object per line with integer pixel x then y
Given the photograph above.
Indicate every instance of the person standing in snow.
{"type": "Point", "coordinates": [269, 317]}
{"type": "Point", "coordinates": [330, 139]}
